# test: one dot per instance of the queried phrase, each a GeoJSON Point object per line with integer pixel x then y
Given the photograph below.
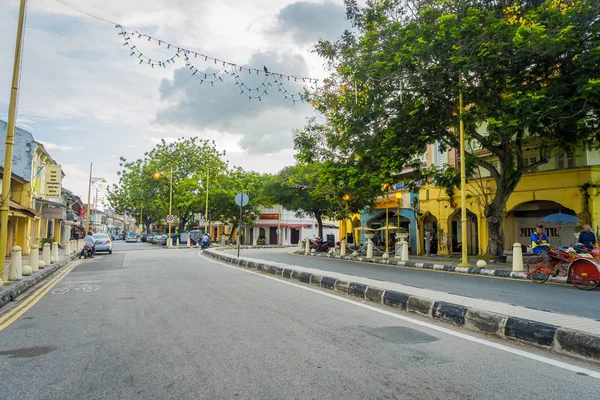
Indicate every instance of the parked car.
{"type": "Point", "coordinates": [143, 238]}
{"type": "Point", "coordinates": [131, 238]}
{"type": "Point", "coordinates": [149, 238]}
{"type": "Point", "coordinates": [102, 242]}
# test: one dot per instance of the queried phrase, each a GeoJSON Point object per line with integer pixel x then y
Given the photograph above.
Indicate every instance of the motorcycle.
{"type": "Point", "coordinates": [87, 252]}
{"type": "Point", "coordinates": [204, 245]}
{"type": "Point", "coordinates": [319, 244]}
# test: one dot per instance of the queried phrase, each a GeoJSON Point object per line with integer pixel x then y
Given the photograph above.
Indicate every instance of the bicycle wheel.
{"type": "Point", "coordinates": [584, 275]}
{"type": "Point", "coordinates": [534, 269]}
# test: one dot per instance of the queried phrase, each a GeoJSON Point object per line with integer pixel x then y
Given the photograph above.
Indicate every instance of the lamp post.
{"type": "Point", "coordinates": [463, 179]}
{"type": "Point", "coordinates": [10, 137]}
{"type": "Point", "coordinates": [157, 176]}
{"type": "Point", "coordinates": [91, 181]}
{"type": "Point", "coordinates": [346, 198]}
{"type": "Point", "coordinates": [386, 187]}
{"type": "Point", "coordinates": [206, 220]}
{"type": "Point", "coordinates": [398, 198]}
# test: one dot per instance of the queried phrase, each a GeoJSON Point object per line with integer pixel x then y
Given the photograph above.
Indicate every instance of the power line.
{"type": "Point", "coordinates": [229, 68]}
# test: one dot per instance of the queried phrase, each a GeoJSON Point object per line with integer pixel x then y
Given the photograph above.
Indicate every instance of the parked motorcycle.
{"type": "Point", "coordinates": [320, 244]}
{"type": "Point", "coordinates": [87, 252]}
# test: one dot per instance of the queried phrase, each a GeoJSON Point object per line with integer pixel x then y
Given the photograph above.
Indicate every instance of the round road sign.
{"type": "Point", "coordinates": [170, 218]}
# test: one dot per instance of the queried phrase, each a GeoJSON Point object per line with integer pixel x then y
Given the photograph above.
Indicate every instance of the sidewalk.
{"type": "Point", "coordinates": [566, 334]}
{"type": "Point", "coordinates": [12, 291]}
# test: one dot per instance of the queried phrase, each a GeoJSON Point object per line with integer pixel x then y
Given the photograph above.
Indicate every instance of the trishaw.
{"type": "Point", "coordinates": [579, 265]}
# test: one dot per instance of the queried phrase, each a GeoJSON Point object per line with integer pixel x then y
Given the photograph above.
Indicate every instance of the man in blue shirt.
{"type": "Point", "coordinates": [587, 237]}
{"type": "Point", "coordinates": [540, 245]}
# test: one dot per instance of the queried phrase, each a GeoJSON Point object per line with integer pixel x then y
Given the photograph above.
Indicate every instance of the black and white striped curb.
{"type": "Point", "coordinates": [561, 340]}
{"type": "Point", "coordinates": [438, 267]}
{"type": "Point", "coordinates": [15, 289]}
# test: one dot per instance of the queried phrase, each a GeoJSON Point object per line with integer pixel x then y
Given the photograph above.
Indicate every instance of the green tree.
{"type": "Point", "coordinates": [529, 78]}
{"type": "Point", "coordinates": [144, 184]}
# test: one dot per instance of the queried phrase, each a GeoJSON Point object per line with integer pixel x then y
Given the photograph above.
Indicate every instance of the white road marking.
{"type": "Point", "coordinates": [535, 357]}
{"type": "Point", "coordinates": [69, 282]}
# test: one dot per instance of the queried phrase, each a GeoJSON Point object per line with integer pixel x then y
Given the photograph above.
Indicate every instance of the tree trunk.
{"type": "Point", "coordinates": [319, 218]}
{"type": "Point", "coordinates": [494, 213]}
{"type": "Point", "coordinates": [182, 222]}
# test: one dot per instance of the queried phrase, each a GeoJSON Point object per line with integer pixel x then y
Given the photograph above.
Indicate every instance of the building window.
{"type": "Point", "coordinates": [529, 161]}
{"type": "Point", "coordinates": [565, 160]}
{"type": "Point", "coordinates": [438, 158]}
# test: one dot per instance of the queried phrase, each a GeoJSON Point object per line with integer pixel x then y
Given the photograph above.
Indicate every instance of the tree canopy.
{"type": "Point", "coordinates": [528, 71]}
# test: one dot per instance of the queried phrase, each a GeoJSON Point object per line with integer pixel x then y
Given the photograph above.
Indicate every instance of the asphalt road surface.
{"type": "Point", "coordinates": [564, 299]}
{"type": "Point", "coordinates": [149, 323]}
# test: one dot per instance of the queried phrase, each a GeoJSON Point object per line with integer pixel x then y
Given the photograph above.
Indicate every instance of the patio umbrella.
{"type": "Point", "coordinates": [363, 228]}
{"type": "Point", "coordinates": [389, 227]}
{"type": "Point", "coordinates": [560, 218]}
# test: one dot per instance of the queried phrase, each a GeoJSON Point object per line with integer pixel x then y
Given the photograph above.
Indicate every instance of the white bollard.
{"type": "Point", "coordinates": [26, 270]}
{"type": "Point", "coordinates": [15, 269]}
{"type": "Point", "coordinates": [54, 253]}
{"type": "Point", "coordinates": [68, 248]}
{"type": "Point", "coordinates": [34, 258]}
{"type": "Point", "coordinates": [481, 263]}
{"type": "Point", "coordinates": [385, 256]}
{"type": "Point", "coordinates": [177, 242]}
{"type": "Point", "coordinates": [404, 251]}
{"type": "Point", "coordinates": [300, 245]}
{"type": "Point", "coordinates": [307, 246]}
{"type": "Point", "coordinates": [517, 265]}
{"type": "Point", "coordinates": [46, 254]}
{"type": "Point", "coordinates": [189, 241]}
{"type": "Point", "coordinates": [369, 248]}
{"type": "Point", "coordinates": [343, 248]}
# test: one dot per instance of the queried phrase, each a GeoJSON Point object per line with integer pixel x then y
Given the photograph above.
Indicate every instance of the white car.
{"type": "Point", "coordinates": [131, 239]}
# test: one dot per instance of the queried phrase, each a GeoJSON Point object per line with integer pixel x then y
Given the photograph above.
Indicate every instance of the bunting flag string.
{"type": "Point", "coordinates": [218, 69]}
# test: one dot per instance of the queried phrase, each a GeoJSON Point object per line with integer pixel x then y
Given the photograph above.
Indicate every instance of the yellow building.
{"type": "Point", "coordinates": [568, 183]}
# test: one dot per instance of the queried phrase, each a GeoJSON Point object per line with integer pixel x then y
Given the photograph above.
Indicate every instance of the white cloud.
{"type": "Point", "coordinates": [88, 100]}
{"type": "Point", "coordinates": [59, 147]}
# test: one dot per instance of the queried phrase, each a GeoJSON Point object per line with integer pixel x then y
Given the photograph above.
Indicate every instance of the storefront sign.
{"type": "Point", "coordinates": [53, 180]}
{"type": "Point", "coordinates": [389, 202]}
{"type": "Point", "coordinates": [270, 216]}
{"type": "Point", "coordinates": [53, 213]}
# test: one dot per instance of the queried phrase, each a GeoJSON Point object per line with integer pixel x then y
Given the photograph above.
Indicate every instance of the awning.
{"type": "Point", "coordinates": [14, 206]}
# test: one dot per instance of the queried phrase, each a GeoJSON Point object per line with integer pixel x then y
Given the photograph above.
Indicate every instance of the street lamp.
{"type": "Point", "coordinates": [398, 197]}
{"type": "Point", "coordinates": [87, 211]}
{"type": "Point", "coordinates": [346, 198]}
{"type": "Point", "coordinates": [463, 178]}
{"type": "Point", "coordinates": [157, 176]}
{"type": "Point", "coordinates": [386, 187]}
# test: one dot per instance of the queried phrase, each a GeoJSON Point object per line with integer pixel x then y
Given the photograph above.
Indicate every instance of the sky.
{"type": "Point", "coordinates": [87, 100]}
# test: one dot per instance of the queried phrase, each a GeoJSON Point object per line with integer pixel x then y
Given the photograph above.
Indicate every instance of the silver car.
{"type": "Point", "coordinates": [102, 242]}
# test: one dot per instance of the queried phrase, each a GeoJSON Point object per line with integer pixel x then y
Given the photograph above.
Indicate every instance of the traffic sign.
{"type": "Point", "coordinates": [278, 231]}
{"type": "Point", "coordinates": [242, 199]}
{"type": "Point", "coordinates": [170, 218]}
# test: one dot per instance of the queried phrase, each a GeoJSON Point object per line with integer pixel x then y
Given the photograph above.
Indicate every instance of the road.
{"type": "Point", "coordinates": [150, 323]}
{"type": "Point", "coordinates": [564, 299]}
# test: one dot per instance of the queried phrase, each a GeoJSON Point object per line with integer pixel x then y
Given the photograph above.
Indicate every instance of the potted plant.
{"type": "Point", "coordinates": [261, 241]}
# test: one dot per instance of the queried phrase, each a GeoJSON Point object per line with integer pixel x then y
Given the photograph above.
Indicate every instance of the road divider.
{"type": "Point", "coordinates": [561, 340]}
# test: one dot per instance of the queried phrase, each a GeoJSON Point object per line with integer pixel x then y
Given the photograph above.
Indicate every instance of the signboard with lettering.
{"type": "Point", "coordinates": [53, 180]}
{"type": "Point", "coordinates": [557, 235]}
{"type": "Point", "coordinates": [391, 202]}
{"type": "Point", "coordinates": [54, 213]}
{"type": "Point", "coordinates": [269, 216]}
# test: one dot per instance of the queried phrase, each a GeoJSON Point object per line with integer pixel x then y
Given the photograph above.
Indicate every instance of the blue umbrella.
{"type": "Point", "coordinates": [561, 218]}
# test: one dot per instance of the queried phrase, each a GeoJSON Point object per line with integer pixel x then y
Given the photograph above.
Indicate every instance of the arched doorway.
{"type": "Point", "coordinates": [378, 221]}
{"type": "Point", "coordinates": [456, 233]}
{"type": "Point", "coordinates": [521, 221]}
{"type": "Point", "coordinates": [430, 234]}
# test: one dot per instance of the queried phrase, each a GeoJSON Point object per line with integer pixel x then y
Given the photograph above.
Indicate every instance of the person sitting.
{"type": "Point", "coordinates": [541, 247]}
{"type": "Point", "coordinates": [587, 237]}
{"type": "Point", "coordinates": [89, 241]}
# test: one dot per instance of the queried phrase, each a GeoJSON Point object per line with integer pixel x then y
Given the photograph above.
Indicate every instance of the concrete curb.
{"type": "Point", "coordinates": [440, 267]}
{"type": "Point", "coordinates": [565, 341]}
{"type": "Point", "coordinates": [19, 287]}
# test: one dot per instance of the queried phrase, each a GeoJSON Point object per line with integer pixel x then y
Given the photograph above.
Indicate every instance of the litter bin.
{"type": "Point", "coordinates": [331, 241]}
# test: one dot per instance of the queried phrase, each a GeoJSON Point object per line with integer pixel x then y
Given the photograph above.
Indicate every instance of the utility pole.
{"type": "Point", "coordinates": [463, 179]}
{"type": "Point", "coordinates": [10, 137]}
